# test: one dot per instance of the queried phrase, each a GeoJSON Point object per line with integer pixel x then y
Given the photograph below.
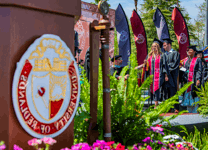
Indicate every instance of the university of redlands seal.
{"type": "Point", "coordinates": [139, 39]}
{"type": "Point", "coordinates": [183, 38]}
{"type": "Point", "coordinates": [46, 87]}
{"type": "Point", "coordinates": [123, 36]}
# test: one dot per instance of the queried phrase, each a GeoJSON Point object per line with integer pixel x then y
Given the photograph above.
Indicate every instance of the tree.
{"type": "Point", "coordinates": [200, 32]}
{"type": "Point", "coordinates": [147, 12]}
{"type": "Point", "coordinates": [199, 24]}
{"type": "Point", "coordinates": [202, 11]}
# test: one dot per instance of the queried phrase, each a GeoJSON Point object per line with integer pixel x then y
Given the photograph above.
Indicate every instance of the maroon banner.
{"type": "Point", "coordinates": [181, 31]}
{"type": "Point", "coordinates": [139, 37]}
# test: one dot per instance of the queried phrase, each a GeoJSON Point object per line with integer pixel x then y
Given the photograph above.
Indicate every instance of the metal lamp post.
{"type": "Point", "coordinates": [104, 38]}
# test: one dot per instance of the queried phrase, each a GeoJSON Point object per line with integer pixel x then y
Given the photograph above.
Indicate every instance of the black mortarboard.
{"type": "Point", "coordinates": [193, 47]}
{"type": "Point", "coordinates": [158, 42]}
{"type": "Point", "coordinates": [167, 40]}
{"type": "Point", "coordinates": [115, 57]}
{"type": "Point", "coordinates": [199, 51]}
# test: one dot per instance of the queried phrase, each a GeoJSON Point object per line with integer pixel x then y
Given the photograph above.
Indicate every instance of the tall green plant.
{"type": "Point", "coordinates": [203, 102]}
{"type": "Point", "coordinates": [129, 120]}
{"type": "Point", "coordinates": [198, 139]}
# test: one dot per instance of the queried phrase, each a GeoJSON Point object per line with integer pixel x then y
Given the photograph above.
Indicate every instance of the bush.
{"type": "Point", "coordinates": [203, 102]}
{"type": "Point", "coordinates": [128, 120]}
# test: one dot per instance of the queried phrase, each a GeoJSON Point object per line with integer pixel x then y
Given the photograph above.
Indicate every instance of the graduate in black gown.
{"type": "Point", "coordinates": [154, 66]}
{"type": "Point", "coordinates": [182, 71]}
{"type": "Point", "coordinates": [204, 66]}
{"type": "Point", "coordinates": [171, 73]}
{"type": "Point", "coordinates": [117, 61]}
{"type": "Point", "coordinates": [193, 73]}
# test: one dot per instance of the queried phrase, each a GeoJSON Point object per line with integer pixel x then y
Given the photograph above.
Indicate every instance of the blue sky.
{"type": "Point", "coordinates": [128, 6]}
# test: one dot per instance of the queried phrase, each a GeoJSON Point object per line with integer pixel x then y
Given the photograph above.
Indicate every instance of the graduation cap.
{"type": "Point", "coordinates": [167, 40]}
{"type": "Point", "coordinates": [158, 42]}
{"type": "Point", "coordinates": [115, 57]}
{"type": "Point", "coordinates": [193, 47]}
{"type": "Point", "coordinates": [199, 51]}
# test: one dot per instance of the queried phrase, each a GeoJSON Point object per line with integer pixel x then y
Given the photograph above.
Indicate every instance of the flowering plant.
{"type": "Point", "coordinates": [46, 140]}
{"type": "Point", "coordinates": [2, 145]}
{"type": "Point", "coordinates": [155, 141]}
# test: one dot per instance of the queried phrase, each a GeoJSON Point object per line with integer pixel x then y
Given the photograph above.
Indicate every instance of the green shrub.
{"type": "Point", "coordinates": [203, 102]}
{"type": "Point", "coordinates": [198, 139]}
{"type": "Point", "coordinates": [128, 119]}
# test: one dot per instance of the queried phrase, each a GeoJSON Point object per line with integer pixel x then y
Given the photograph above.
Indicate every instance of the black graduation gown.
{"type": "Point", "coordinates": [172, 61]}
{"type": "Point", "coordinates": [117, 69]}
{"type": "Point", "coordinates": [197, 74]}
{"type": "Point", "coordinates": [204, 73]}
{"type": "Point", "coordinates": [157, 94]}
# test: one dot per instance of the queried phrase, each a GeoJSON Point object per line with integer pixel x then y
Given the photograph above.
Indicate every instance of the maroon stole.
{"type": "Point", "coordinates": [156, 73]}
{"type": "Point", "coordinates": [191, 72]}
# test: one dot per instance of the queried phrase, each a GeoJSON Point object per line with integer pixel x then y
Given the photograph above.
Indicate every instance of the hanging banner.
{"type": "Point", "coordinates": [161, 26]}
{"type": "Point", "coordinates": [181, 32]}
{"type": "Point", "coordinates": [123, 35]}
{"type": "Point", "coordinates": [46, 87]}
{"type": "Point", "coordinates": [139, 37]}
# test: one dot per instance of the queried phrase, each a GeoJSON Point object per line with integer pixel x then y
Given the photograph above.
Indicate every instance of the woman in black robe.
{"type": "Point", "coordinates": [196, 64]}
{"type": "Point", "coordinates": [158, 79]}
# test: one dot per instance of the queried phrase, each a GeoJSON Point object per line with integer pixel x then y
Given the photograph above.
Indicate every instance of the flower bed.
{"type": "Point", "coordinates": [155, 141]}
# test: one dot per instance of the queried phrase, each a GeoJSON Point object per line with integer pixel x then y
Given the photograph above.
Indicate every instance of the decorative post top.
{"type": "Point", "coordinates": [103, 7]}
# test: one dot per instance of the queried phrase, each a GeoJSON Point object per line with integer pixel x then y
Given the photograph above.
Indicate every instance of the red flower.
{"type": "Point", "coordinates": [158, 125]}
{"type": "Point", "coordinates": [120, 147]}
{"type": "Point", "coordinates": [110, 143]}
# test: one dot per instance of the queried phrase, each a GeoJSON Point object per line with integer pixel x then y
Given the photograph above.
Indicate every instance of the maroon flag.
{"type": "Point", "coordinates": [139, 37]}
{"type": "Point", "coordinates": [181, 32]}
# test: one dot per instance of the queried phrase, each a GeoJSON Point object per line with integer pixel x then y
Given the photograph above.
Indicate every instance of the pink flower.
{"type": "Point", "coordinates": [156, 129]}
{"type": "Point", "coordinates": [135, 147]}
{"type": "Point", "coordinates": [17, 147]}
{"type": "Point", "coordinates": [85, 146]}
{"type": "Point", "coordinates": [48, 140]}
{"type": "Point", "coordinates": [147, 140]}
{"type": "Point", "coordinates": [80, 146]}
{"type": "Point", "coordinates": [34, 142]}
{"type": "Point", "coordinates": [65, 148]}
{"type": "Point", "coordinates": [163, 148]}
{"type": "Point", "coordinates": [149, 147]}
{"type": "Point", "coordinates": [99, 143]}
{"type": "Point", "coordinates": [171, 145]}
{"type": "Point", "coordinates": [2, 147]}
{"type": "Point", "coordinates": [189, 145]}
{"type": "Point", "coordinates": [179, 146]}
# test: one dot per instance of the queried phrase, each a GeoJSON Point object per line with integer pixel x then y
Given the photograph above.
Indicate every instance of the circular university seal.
{"type": "Point", "coordinates": [183, 38]}
{"type": "Point", "coordinates": [139, 39]}
{"type": "Point", "coordinates": [123, 36]}
{"type": "Point", "coordinates": [46, 87]}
